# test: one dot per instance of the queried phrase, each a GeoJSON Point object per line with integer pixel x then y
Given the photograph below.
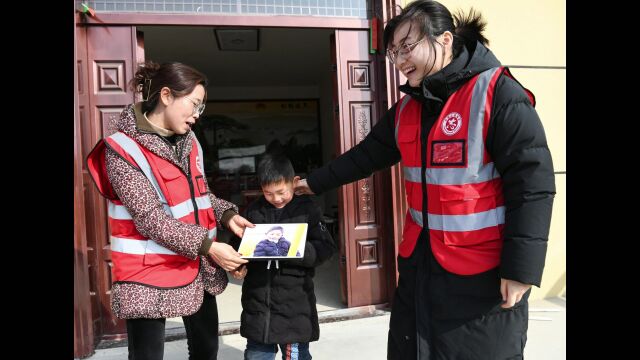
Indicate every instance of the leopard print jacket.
{"type": "Point", "coordinates": [134, 300]}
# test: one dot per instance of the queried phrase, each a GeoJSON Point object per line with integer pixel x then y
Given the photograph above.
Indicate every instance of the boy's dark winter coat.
{"type": "Point", "coordinates": [279, 304]}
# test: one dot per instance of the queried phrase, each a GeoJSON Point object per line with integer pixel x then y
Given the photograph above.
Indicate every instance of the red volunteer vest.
{"type": "Point", "coordinates": [136, 258]}
{"type": "Point", "coordinates": [465, 206]}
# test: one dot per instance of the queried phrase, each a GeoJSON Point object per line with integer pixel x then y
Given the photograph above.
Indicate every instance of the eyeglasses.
{"type": "Point", "coordinates": [198, 108]}
{"type": "Point", "coordinates": [404, 50]}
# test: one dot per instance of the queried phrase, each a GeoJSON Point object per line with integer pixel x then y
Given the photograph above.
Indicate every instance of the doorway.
{"type": "Point", "coordinates": [275, 92]}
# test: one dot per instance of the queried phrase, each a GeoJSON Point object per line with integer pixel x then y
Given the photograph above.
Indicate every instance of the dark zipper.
{"type": "Point", "coordinates": [193, 199]}
{"type": "Point", "coordinates": [191, 191]}
{"type": "Point", "coordinates": [265, 340]}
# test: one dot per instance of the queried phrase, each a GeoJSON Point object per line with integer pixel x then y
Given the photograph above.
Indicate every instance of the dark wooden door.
{"type": "Point", "coordinates": [364, 263]}
{"type": "Point", "coordinates": [109, 62]}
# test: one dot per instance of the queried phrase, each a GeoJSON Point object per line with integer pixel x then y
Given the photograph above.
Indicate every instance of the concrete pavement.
{"type": "Point", "coordinates": [366, 338]}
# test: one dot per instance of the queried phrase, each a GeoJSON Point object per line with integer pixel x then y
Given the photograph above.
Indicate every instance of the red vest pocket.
{"type": "Point", "coordinates": [469, 215]}
{"type": "Point", "coordinates": [169, 172]}
{"type": "Point", "coordinates": [175, 182]}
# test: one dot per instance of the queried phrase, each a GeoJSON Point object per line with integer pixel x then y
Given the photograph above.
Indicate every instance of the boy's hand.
{"type": "Point", "coordinates": [237, 224]}
{"type": "Point", "coordinates": [301, 187]}
{"type": "Point", "coordinates": [240, 272]}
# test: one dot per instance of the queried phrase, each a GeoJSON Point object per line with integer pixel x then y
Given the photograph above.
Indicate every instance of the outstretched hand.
{"type": "Point", "coordinates": [512, 292]}
{"type": "Point", "coordinates": [300, 187]}
{"type": "Point", "coordinates": [237, 224]}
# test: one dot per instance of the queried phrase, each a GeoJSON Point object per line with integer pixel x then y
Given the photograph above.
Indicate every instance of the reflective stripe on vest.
{"type": "Point", "coordinates": [200, 152]}
{"type": "Point", "coordinates": [119, 212]}
{"type": "Point", "coordinates": [469, 222]}
{"type": "Point", "coordinates": [133, 150]}
{"type": "Point", "coordinates": [138, 247]}
{"type": "Point", "coordinates": [405, 101]}
{"type": "Point", "coordinates": [451, 176]}
{"type": "Point", "coordinates": [181, 210]}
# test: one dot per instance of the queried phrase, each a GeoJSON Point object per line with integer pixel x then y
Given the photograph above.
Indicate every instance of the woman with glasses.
{"type": "Point", "coordinates": [479, 182]}
{"type": "Point", "coordinates": [162, 215]}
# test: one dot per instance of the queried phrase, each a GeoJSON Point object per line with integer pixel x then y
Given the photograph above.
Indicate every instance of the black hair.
{"type": "Point", "coordinates": [274, 168]}
{"type": "Point", "coordinates": [434, 19]}
{"type": "Point", "coordinates": [151, 77]}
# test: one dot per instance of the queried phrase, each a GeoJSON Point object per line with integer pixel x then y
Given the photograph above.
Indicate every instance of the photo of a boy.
{"type": "Point", "coordinates": [274, 245]}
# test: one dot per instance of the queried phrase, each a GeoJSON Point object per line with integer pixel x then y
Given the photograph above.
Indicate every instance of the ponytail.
{"type": "Point", "coordinates": [470, 27]}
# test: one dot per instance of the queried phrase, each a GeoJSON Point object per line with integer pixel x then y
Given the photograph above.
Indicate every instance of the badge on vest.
{"type": "Point", "coordinates": [451, 123]}
{"type": "Point", "coordinates": [200, 183]}
{"type": "Point", "coordinates": [447, 152]}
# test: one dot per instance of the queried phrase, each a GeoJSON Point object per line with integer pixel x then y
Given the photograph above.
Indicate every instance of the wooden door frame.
{"type": "Point", "coordinates": [83, 335]}
{"type": "Point", "coordinates": [361, 205]}
{"type": "Point", "coordinates": [93, 112]}
{"type": "Point", "coordinates": [279, 21]}
{"type": "Point", "coordinates": [395, 178]}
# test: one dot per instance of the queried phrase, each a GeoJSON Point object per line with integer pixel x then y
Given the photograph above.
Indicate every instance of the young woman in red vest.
{"type": "Point", "coordinates": [162, 215]}
{"type": "Point", "coordinates": [479, 183]}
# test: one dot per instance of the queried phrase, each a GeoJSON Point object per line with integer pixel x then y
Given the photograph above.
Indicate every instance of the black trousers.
{"type": "Point", "coordinates": [454, 317]}
{"type": "Point", "coordinates": [146, 336]}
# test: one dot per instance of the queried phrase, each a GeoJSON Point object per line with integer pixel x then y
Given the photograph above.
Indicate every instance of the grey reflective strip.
{"type": "Point", "coordinates": [154, 248]}
{"type": "Point", "coordinates": [476, 122]}
{"type": "Point", "coordinates": [133, 150]}
{"type": "Point", "coordinates": [468, 222]}
{"type": "Point", "coordinates": [186, 207]}
{"type": "Point", "coordinates": [183, 209]}
{"type": "Point", "coordinates": [213, 233]}
{"type": "Point", "coordinates": [200, 157]}
{"type": "Point", "coordinates": [417, 216]}
{"type": "Point", "coordinates": [412, 174]}
{"type": "Point", "coordinates": [450, 176]}
{"type": "Point", "coordinates": [456, 176]}
{"type": "Point", "coordinates": [128, 246]}
{"type": "Point", "coordinates": [138, 247]}
{"type": "Point", "coordinates": [405, 101]}
{"type": "Point", "coordinates": [203, 202]}
{"type": "Point", "coordinates": [120, 212]}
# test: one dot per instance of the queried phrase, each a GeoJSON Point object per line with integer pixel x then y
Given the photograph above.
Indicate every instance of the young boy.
{"type": "Point", "coordinates": [278, 303]}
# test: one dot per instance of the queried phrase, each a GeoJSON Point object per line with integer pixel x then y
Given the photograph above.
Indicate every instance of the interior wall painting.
{"type": "Point", "coordinates": [238, 132]}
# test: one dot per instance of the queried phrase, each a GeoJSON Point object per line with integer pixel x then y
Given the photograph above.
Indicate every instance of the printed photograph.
{"type": "Point", "coordinates": [274, 241]}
